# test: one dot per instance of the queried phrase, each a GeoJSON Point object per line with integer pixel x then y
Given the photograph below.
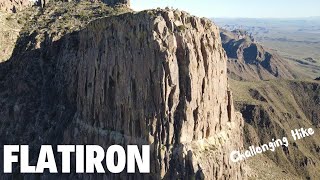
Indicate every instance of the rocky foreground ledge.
{"type": "Point", "coordinates": [155, 77]}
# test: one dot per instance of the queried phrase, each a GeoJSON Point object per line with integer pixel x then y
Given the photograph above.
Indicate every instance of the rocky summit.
{"type": "Point", "coordinates": [156, 77]}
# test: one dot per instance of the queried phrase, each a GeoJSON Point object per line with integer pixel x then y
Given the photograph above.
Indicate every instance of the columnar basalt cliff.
{"type": "Point", "coordinates": [155, 77]}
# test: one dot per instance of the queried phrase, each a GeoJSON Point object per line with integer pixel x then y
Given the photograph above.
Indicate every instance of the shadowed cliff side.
{"type": "Point", "coordinates": [155, 77]}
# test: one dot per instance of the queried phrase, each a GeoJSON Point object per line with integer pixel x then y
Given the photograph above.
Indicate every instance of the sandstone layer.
{"type": "Point", "coordinates": [154, 77]}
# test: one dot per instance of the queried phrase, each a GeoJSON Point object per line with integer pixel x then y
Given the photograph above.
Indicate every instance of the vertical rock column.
{"type": "Point", "coordinates": [156, 77]}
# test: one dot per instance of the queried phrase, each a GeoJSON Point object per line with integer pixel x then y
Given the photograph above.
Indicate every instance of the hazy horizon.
{"type": "Point", "coordinates": [284, 9]}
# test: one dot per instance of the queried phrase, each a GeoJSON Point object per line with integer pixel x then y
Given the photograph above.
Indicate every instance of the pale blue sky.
{"type": "Point", "coordinates": [237, 8]}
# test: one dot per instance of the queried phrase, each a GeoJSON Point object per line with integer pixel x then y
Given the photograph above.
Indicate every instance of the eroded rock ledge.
{"type": "Point", "coordinates": [154, 77]}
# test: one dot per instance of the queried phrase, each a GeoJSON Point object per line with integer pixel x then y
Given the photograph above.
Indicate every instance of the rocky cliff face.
{"type": "Point", "coordinates": [155, 77]}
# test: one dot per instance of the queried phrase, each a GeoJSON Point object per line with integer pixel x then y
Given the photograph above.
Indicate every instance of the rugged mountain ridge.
{"type": "Point", "coordinates": [248, 60]}
{"type": "Point", "coordinates": [79, 90]}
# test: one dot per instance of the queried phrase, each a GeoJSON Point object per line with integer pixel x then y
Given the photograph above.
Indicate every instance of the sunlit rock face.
{"type": "Point", "coordinates": [155, 77]}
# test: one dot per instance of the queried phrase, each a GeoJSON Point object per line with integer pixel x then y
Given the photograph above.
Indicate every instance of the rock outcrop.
{"type": "Point", "coordinates": [154, 77]}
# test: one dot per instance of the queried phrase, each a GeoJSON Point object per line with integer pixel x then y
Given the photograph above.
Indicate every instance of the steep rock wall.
{"type": "Point", "coordinates": [154, 77]}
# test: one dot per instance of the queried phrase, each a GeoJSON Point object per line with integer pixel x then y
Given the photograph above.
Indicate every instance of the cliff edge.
{"type": "Point", "coordinates": [155, 77]}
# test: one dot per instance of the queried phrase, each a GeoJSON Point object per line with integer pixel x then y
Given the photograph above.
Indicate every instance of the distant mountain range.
{"type": "Point", "coordinates": [249, 60]}
{"type": "Point", "coordinates": [296, 40]}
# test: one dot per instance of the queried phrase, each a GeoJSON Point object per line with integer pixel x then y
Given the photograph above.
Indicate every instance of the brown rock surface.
{"type": "Point", "coordinates": [155, 77]}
